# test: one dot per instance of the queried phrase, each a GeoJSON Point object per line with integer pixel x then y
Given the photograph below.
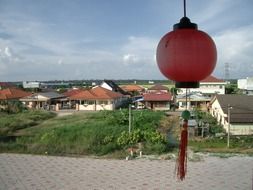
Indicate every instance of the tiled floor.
{"type": "Point", "coordinates": [29, 172]}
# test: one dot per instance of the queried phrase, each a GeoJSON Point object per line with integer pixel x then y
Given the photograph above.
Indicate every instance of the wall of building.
{"type": "Point", "coordinates": [241, 129]}
{"type": "Point", "coordinates": [207, 88]}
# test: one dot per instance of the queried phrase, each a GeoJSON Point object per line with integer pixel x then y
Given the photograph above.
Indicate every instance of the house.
{"type": "Point", "coordinates": [193, 99]}
{"type": "Point", "coordinates": [236, 108]}
{"type": "Point", "coordinates": [209, 86]}
{"type": "Point", "coordinates": [246, 85]}
{"type": "Point", "coordinates": [133, 89]}
{"type": "Point", "coordinates": [158, 88]}
{"type": "Point", "coordinates": [98, 98]}
{"type": "Point", "coordinates": [155, 101]}
{"type": "Point", "coordinates": [9, 94]}
{"type": "Point", "coordinates": [112, 86]}
{"type": "Point", "coordinates": [44, 100]}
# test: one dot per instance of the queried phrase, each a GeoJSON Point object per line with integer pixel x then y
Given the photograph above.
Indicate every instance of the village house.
{"type": "Point", "coordinates": [133, 89]}
{"type": "Point", "coordinates": [238, 109]}
{"type": "Point", "coordinates": [98, 98]}
{"type": "Point", "coordinates": [194, 100]}
{"type": "Point", "coordinates": [10, 94]}
{"type": "Point", "coordinates": [158, 88]}
{"type": "Point", "coordinates": [44, 100]}
{"type": "Point", "coordinates": [154, 101]}
{"type": "Point", "coordinates": [210, 86]}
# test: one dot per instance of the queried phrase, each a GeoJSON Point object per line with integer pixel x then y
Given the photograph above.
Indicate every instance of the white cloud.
{"type": "Point", "coordinates": [235, 46]}
{"type": "Point", "coordinates": [139, 50]}
{"type": "Point", "coordinates": [7, 52]}
{"type": "Point", "coordinates": [130, 58]}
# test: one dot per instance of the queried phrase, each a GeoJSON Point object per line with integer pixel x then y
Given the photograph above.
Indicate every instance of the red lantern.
{"type": "Point", "coordinates": [186, 55]}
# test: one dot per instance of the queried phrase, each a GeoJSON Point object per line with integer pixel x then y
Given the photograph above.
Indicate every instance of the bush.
{"type": "Point", "coordinates": [154, 148]}
{"type": "Point", "coordinates": [12, 107]}
{"type": "Point", "coordinates": [130, 139]}
{"type": "Point", "coordinates": [205, 117]}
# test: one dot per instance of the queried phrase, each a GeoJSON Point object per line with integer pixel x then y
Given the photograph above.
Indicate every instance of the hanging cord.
{"type": "Point", "coordinates": [186, 98]}
{"type": "Point", "coordinates": [184, 8]}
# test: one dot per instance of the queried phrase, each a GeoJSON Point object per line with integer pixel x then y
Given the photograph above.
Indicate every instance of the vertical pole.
{"type": "Point", "coordinates": [228, 126]}
{"type": "Point", "coordinates": [129, 117]}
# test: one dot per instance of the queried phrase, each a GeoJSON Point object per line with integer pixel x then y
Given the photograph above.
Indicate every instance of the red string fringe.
{"type": "Point", "coordinates": [182, 154]}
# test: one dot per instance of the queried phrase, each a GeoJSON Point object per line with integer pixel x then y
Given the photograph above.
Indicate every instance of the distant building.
{"type": "Point", "coordinates": [54, 85]}
{"type": "Point", "coordinates": [210, 86]}
{"type": "Point", "coordinates": [30, 84]}
{"type": "Point", "coordinates": [246, 85]}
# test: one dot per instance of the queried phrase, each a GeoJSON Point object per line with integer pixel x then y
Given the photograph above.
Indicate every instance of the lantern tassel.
{"type": "Point", "coordinates": [182, 154]}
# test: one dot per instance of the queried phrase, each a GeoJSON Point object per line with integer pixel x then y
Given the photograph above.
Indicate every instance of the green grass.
{"type": "Point", "coordinates": [10, 123]}
{"type": "Point", "coordinates": [238, 144]}
{"type": "Point", "coordinates": [82, 133]}
{"type": "Point", "coordinates": [103, 133]}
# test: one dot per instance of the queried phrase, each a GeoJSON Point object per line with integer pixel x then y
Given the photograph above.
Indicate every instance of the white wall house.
{"type": "Point", "coordinates": [98, 98]}
{"type": "Point", "coordinates": [193, 100]}
{"type": "Point", "coordinates": [209, 86]}
{"type": "Point", "coordinates": [239, 108]}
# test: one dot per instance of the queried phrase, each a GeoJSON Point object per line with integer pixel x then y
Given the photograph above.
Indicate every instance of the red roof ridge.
{"type": "Point", "coordinates": [212, 79]}
{"type": "Point", "coordinates": [13, 93]}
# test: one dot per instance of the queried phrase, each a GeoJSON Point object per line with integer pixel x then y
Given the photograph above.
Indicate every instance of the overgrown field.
{"type": "Point", "coordinates": [9, 123]}
{"type": "Point", "coordinates": [238, 144]}
{"type": "Point", "coordinates": [99, 133]}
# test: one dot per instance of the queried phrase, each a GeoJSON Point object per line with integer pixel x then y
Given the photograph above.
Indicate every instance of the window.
{"type": "Point", "coordinates": [86, 102]}
{"type": "Point", "coordinates": [103, 102]}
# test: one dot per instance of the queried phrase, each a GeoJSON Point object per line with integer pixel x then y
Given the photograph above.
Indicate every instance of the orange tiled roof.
{"type": "Point", "coordinates": [157, 97]}
{"type": "Point", "coordinates": [13, 93]}
{"type": "Point", "coordinates": [158, 87]}
{"type": "Point", "coordinates": [132, 87]}
{"type": "Point", "coordinates": [72, 92]}
{"type": "Point", "coordinates": [212, 79]}
{"type": "Point", "coordinates": [97, 93]}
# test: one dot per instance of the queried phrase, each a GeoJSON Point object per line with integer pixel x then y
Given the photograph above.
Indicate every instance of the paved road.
{"type": "Point", "coordinates": [28, 172]}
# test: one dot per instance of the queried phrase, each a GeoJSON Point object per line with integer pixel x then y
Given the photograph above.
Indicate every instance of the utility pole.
{"type": "Point", "coordinates": [228, 139]}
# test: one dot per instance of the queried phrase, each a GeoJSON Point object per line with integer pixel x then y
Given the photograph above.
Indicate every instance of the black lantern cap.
{"type": "Point", "coordinates": [185, 23]}
{"type": "Point", "coordinates": [187, 84]}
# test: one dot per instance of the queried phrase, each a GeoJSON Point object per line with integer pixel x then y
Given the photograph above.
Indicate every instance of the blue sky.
{"type": "Point", "coordinates": [114, 39]}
